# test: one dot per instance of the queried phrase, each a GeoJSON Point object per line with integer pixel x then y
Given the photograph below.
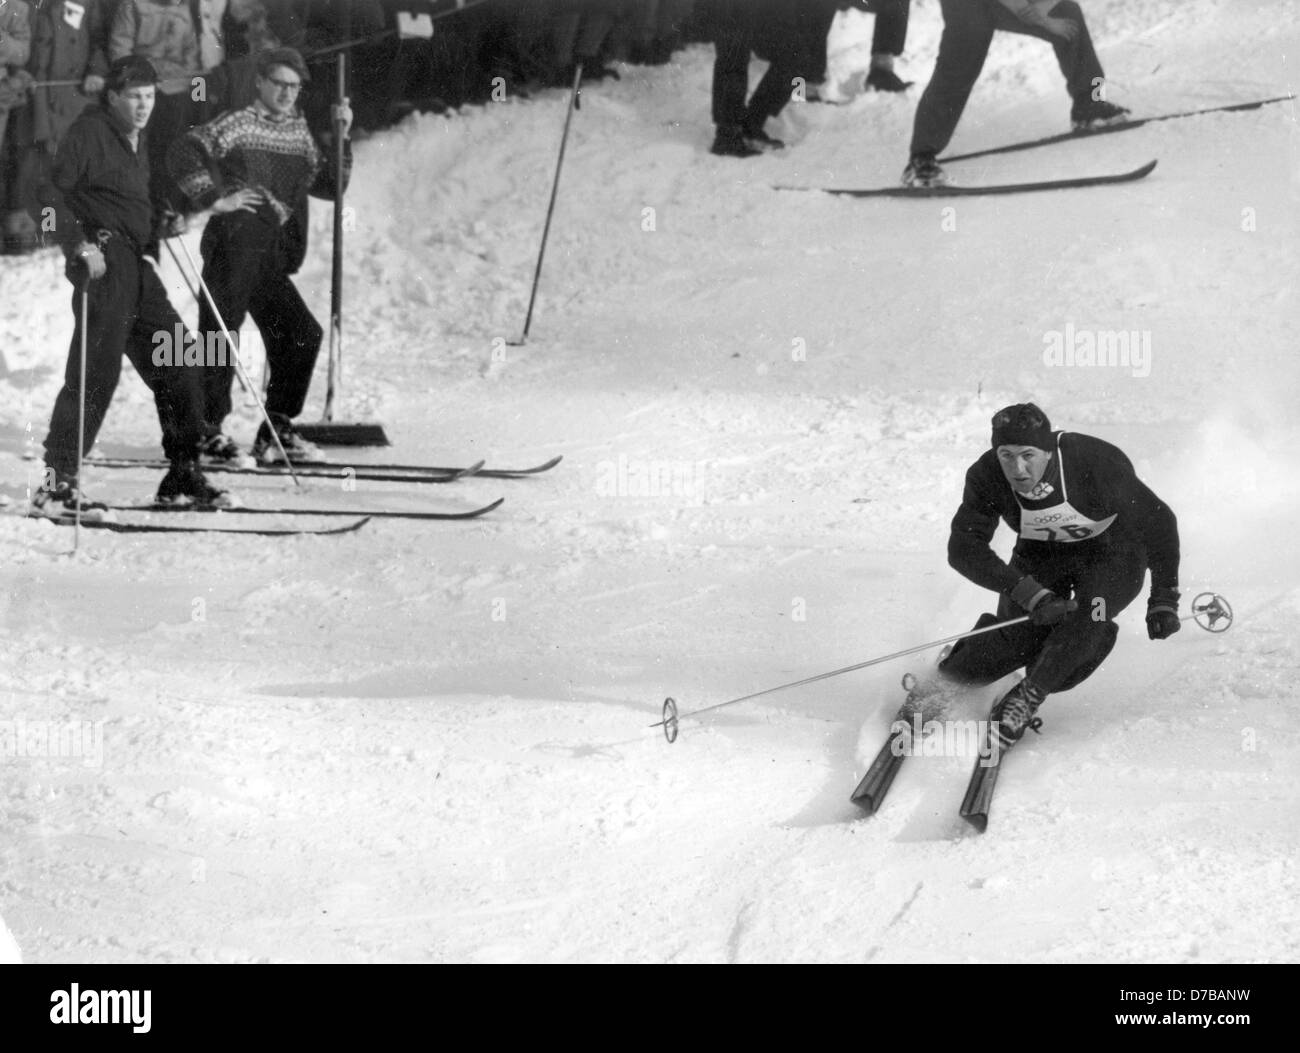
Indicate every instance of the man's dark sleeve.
{"type": "Point", "coordinates": [1143, 514]}
{"type": "Point", "coordinates": [973, 527]}
{"type": "Point", "coordinates": [70, 164]}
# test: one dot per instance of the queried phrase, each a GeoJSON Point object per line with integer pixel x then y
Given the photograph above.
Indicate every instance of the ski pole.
{"type": "Point", "coordinates": [239, 365]}
{"type": "Point", "coordinates": [334, 376]}
{"type": "Point", "coordinates": [1208, 605]}
{"type": "Point", "coordinates": [81, 406]}
{"type": "Point", "coordinates": [1214, 608]}
{"type": "Point", "coordinates": [197, 296]}
{"type": "Point", "coordinates": [550, 210]}
{"type": "Point", "coordinates": [671, 717]}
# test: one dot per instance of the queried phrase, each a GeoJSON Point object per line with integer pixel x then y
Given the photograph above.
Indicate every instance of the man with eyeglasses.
{"type": "Point", "coordinates": [253, 169]}
{"type": "Point", "coordinates": [1088, 530]}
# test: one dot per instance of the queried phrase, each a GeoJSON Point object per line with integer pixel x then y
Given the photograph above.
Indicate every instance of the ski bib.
{"type": "Point", "coordinates": [1059, 521]}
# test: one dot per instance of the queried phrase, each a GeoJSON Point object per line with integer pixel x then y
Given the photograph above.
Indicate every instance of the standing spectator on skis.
{"type": "Point", "coordinates": [104, 220]}
{"type": "Point", "coordinates": [266, 162]}
{"type": "Point", "coordinates": [968, 28]}
{"type": "Point", "coordinates": [1089, 529]}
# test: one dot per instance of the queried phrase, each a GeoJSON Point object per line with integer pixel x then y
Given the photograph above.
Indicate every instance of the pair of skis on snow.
{"type": "Point", "coordinates": [902, 743]}
{"type": "Point", "coordinates": [1047, 184]}
{"type": "Point", "coordinates": [406, 473]}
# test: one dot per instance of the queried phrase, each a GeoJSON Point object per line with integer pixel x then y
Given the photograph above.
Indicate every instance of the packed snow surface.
{"type": "Point", "coordinates": [431, 741]}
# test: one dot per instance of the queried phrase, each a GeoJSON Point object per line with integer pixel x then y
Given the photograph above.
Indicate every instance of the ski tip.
{"type": "Point", "coordinates": [473, 469]}
{"type": "Point", "coordinates": [519, 473]}
{"type": "Point", "coordinates": [490, 508]}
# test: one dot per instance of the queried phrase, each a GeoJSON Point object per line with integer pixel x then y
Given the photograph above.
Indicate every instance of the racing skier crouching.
{"type": "Point", "coordinates": [1088, 530]}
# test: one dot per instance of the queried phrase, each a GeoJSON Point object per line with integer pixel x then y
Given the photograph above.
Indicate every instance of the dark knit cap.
{"type": "Point", "coordinates": [1023, 424]}
{"type": "Point", "coordinates": [272, 57]}
{"type": "Point", "coordinates": [130, 71]}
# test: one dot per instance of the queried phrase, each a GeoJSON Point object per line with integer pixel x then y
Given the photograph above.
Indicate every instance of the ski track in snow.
{"type": "Point", "coordinates": [431, 742]}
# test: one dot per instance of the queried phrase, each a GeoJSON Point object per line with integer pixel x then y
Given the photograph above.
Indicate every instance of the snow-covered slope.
{"type": "Point", "coordinates": [430, 741]}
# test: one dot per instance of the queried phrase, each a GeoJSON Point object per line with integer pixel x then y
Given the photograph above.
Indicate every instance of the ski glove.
{"type": "Point", "coordinates": [1162, 613]}
{"type": "Point", "coordinates": [1043, 605]}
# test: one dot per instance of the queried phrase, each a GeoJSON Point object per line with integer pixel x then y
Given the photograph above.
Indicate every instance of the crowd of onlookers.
{"type": "Point", "coordinates": [54, 54]}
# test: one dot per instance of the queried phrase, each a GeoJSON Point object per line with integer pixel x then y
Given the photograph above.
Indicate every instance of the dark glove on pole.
{"type": "Point", "coordinates": [1044, 606]}
{"type": "Point", "coordinates": [1162, 613]}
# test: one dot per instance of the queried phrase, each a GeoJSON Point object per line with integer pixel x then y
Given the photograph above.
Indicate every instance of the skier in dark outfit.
{"type": "Point", "coordinates": [106, 224]}
{"type": "Point", "coordinates": [968, 28]}
{"type": "Point", "coordinates": [266, 162]}
{"type": "Point", "coordinates": [1088, 528]}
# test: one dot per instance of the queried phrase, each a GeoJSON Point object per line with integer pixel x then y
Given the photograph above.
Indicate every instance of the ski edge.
{"type": "Point", "coordinates": [372, 472]}
{"type": "Point", "coordinates": [1125, 126]}
{"type": "Point", "coordinates": [182, 528]}
{"type": "Point", "coordinates": [1080, 182]}
{"type": "Point", "coordinates": [871, 790]}
{"type": "Point", "coordinates": [978, 800]}
{"type": "Point", "coordinates": [368, 513]}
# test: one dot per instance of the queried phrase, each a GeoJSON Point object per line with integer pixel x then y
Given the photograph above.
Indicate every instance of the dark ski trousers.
{"type": "Point", "coordinates": [1103, 577]}
{"type": "Point", "coordinates": [243, 266]}
{"type": "Point", "coordinates": [888, 38]}
{"type": "Point", "coordinates": [741, 27]}
{"type": "Point", "coordinates": [968, 27]}
{"type": "Point", "coordinates": [127, 307]}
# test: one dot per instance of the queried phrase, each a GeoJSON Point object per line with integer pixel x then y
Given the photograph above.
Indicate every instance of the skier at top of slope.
{"type": "Point", "coordinates": [1088, 529]}
{"type": "Point", "coordinates": [968, 28]}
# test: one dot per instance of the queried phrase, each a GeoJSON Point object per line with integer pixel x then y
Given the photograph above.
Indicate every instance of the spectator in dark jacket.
{"type": "Point", "coordinates": [104, 221]}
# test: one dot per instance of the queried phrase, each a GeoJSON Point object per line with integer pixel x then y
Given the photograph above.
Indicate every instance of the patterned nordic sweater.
{"type": "Point", "coordinates": [253, 148]}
